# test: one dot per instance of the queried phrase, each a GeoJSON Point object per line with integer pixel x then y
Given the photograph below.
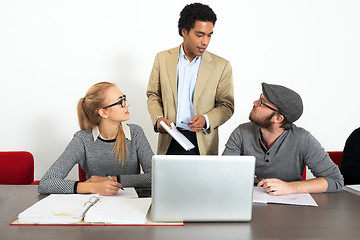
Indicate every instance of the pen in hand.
{"type": "Point", "coordinates": [186, 123]}
{"type": "Point", "coordinates": [113, 180]}
{"type": "Point", "coordinates": [257, 178]}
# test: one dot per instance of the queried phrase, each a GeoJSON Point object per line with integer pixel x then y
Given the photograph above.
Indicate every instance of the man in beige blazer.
{"type": "Point", "coordinates": [211, 89]}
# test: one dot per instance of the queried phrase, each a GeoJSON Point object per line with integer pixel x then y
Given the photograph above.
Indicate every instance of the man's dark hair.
{"type": "Point", "coordinates": [195, 12]}
{"type": "Point", "coordinates": [285, 124]}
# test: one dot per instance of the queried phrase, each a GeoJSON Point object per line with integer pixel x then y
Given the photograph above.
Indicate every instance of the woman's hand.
{"type": "Point", "coordinates": [97, 179]}
{"type": "Point", "coordinates": [99, 185]}
{"type": "Point", "coordinates": [106, 188]}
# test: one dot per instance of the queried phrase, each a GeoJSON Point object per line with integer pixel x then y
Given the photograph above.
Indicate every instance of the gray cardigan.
{"type": "Point", "coordinates": [287, 158]}
{"type": "Point", "coordinates": [97, 158]}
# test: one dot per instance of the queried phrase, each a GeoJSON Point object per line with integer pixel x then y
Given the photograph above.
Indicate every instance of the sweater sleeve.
{"type": "Point", "coordinates": [321, 164]}
{"type": "Point", "coordinates": [233, 145]}
{"type": "Point", "coordinates": [54, 179]}
{"type": "Point", "coordinates": [144, 155]}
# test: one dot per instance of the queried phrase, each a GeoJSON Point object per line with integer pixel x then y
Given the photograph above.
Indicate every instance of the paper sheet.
{"type": "Point", "coordinates": [116, 210]}
{"type": "Point", "coordinates": [355, 187]}
{"type": "Point", "coordinates": [127, 193]}
{"type": "Point", "coordinates": [303, 199]}
{"type": "Point", "coordinates": [178, 136]}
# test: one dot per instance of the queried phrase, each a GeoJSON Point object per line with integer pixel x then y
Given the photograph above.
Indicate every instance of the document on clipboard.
{"type": "Point", "coordinates": [178, 136]}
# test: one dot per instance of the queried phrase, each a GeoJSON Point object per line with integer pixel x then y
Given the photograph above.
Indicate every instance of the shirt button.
{"type": "Point", "coordinates": [267, 160]}
{"type": "Point", "coordinates": [267, 153]}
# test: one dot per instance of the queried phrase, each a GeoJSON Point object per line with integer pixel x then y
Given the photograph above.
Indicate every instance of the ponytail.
{"type": "Point", "coordinates": [120, 147]}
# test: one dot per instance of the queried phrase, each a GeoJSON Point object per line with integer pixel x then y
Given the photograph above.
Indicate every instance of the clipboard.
{"type": "Point", "coordinates": [148, 222]}
{"type": "Point", "coordinates": [90, 209]}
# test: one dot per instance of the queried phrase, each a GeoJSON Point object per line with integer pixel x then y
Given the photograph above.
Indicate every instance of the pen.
{"type": "Point", "coordinates": [257, 178]}
{"type": "Point", "coordinates": [113, 180]}
{"type": "Point", "coordinates": [186, 123]}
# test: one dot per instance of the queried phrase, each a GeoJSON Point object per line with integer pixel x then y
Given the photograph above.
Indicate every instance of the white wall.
{"type": "Point", "coordinates": [51, 52]}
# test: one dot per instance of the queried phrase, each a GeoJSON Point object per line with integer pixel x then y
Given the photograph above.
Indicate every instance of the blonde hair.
{"type": "Point", "coordinates": [88, 116]}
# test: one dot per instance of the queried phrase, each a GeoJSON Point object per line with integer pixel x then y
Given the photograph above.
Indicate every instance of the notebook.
{"type": "Point", "coordinates": [202, 188]}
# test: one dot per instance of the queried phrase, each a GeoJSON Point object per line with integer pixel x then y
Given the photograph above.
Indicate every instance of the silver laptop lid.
{"type": "Point", "coordinates": [202, 188]}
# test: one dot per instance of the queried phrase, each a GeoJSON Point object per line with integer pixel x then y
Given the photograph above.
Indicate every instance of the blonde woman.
{"type": "Point", "coordinates": [105, 145]}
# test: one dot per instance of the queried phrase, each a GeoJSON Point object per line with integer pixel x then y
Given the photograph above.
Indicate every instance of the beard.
{"type": "Point", "coordinates": [264, 122]}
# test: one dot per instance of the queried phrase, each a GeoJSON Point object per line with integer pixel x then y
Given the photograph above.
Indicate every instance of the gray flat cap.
{"type": "Point", "coordinates": [286, 100]}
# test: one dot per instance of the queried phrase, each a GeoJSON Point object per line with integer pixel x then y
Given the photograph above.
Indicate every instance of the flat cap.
{"type": "Point", "coordinates": [286, 100]}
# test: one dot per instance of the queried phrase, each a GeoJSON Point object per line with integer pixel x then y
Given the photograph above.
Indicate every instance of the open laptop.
{"type": "Point", "coordinates": [202, 188]}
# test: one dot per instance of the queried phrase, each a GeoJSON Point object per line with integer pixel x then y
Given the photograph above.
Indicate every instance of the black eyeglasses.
{"type": "Point", "coordinates": [122, 103]}
{"type": "Point", "coordinates": [262, 103]}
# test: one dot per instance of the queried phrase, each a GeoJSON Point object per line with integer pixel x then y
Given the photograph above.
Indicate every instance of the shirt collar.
{"type": "Point", "coordinates": [126, 129]}
{"type": "Point", "coordinates": [182, 55]}
{"type": "Point", "coordinates": [278, 141]}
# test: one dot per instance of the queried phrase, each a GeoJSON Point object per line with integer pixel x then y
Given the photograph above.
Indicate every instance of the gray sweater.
{"type": "Point", "coordinates": [97, 158]}
{"type": "Point", "coordinates": [287, 158]}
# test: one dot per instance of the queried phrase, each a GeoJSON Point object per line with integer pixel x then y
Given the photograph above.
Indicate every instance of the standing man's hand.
{"type": "Point", "coordinates": [159, 127]}
{"type": "Point", "coordinates": [197, 123]}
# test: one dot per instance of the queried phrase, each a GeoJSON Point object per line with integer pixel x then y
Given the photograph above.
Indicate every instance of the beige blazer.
{"type": "Point", "coordinates": [214, 96]}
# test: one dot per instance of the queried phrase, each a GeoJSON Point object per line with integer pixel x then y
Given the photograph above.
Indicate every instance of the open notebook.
{"type": "Point", "coordinates": [125, 208]}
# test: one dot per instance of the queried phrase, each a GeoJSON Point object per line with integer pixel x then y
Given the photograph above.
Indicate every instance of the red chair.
{"type": "Point", "coordinates": [16, 168]}
{"type": "Point", "coordinates": [336, 157]}
{"type": "Point", "coordinates": [304, 174]}
{"type": "Point", "coordinates": [82, 174]}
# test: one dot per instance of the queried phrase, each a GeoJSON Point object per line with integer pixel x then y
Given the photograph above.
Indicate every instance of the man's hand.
{"type": "Point", "coordinates": [275, 186]}
{"type": "Point", "coordinates": [159, 127]}
{"type": "Point", "coordinates": [197, 123]}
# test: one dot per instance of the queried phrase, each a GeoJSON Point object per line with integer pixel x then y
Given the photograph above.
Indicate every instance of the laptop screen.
{"type": "Point", "coordinates": [202, 188]}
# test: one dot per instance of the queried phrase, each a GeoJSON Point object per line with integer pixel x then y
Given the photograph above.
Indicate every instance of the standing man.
{"type": "Point", "coordinates": [191, 87]}
{"type": "Point", "coordinates": [281, 148]}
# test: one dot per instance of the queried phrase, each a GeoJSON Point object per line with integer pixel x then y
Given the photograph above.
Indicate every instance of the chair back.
{"type": "Point", "coordinates": [82, 174]}
{"type": "Point", "coordinates": [304, 174]}
{"type": "Point", "coordinates": [16, 168]}
{"type": "Point", "coordinates": [336, 156]}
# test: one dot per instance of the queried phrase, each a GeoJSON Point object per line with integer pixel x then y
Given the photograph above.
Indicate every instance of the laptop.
{"type": "Point", "coordinates": [202, 188]}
